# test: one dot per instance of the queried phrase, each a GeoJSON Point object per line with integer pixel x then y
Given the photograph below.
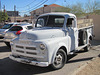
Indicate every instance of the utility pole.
{"type": "Point", "coordinates": [4, 13]}
{"type": "Point", "coordinates": [14, 13]}
{"type": "Point", "coordinates": [0, 5]}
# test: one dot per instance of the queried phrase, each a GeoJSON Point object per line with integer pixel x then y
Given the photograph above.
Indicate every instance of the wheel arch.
{"type": "Point", "coordinates": [60, 47]}
{"type": "Point", "coordinates": [91, 37]}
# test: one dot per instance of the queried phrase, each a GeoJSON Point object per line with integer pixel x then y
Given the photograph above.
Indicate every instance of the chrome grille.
{"type": "Point", "coordinates": [19, 46]}
{"type": "Point", "coordinates": [20, 51]}
{"type": "Point", "coordinates": [31, 48]}
{"type": "Point", "coordinates": [24, 50]}
{"type": "Point", "coordinates": [31, 53]}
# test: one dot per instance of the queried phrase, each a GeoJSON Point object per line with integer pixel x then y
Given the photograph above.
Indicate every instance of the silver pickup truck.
{"type": "Point", "coordinates": [55, 36]}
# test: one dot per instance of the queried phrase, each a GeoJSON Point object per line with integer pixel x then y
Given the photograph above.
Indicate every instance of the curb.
{"type": "Point", "coordinates": [84, 65]}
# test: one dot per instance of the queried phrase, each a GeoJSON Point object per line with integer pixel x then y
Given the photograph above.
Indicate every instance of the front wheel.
{"type": "Point", "coordinates": [60, 59]}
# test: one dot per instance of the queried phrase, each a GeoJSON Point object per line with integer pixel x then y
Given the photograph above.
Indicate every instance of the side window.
{"type": "Point", "coordinates": [40, 22]}
{"type": "Point", "coordinates": [69, 22]}
{"type": "Point", "coordinates": [59, 22]}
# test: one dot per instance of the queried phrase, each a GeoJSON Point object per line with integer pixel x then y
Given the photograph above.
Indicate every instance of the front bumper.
{"type": "Point", "coordinates": [22, 60]}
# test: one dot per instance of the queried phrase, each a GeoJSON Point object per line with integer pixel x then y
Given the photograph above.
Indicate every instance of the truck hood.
{"type": "Point", "coordinates": [42, 33]}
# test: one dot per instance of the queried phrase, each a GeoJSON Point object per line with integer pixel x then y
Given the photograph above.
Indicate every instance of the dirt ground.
{"type": "Point", "coordinates": [91, 68]}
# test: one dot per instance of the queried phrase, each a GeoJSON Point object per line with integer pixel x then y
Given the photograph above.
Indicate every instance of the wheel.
{"type": "Point", "coordinates": [60, 59]}
{"type": "Point", "coordinates": [8, 44]}
{"type": "Point", "coordinates": [83, 38]}
{"type": "Point", "coordinates": [87, 47]}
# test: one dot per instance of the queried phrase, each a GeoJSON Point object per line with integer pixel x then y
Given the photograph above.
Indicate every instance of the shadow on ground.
{"type": "Point", "coordinates": [95, 42]}
{"type": "Point", "coordinates": [79, 60]}
{"type": "Point", "coordinates": [5, 49]}
{"type": "Point", "coordinates": [9, 67]}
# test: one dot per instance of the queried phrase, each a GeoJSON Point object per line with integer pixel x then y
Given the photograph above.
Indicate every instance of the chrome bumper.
{"type": "Point", "coordinates": [22, 60]}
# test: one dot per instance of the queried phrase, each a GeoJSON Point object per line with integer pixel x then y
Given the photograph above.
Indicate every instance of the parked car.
{"type": "Point", "coordinates": [5, 28]}
{"type": "Point", "coordinates": [14, 32]}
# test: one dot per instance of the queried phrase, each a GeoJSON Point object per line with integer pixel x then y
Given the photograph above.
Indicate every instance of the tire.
{"type": "Point", "coordinates": [60, 60]}
{"type": "Point", "coordinates": [8, 44]}
{"type": "Point", "coordinates": [83, 38]}
{"type": "Point", "coordinates": [87, 48]}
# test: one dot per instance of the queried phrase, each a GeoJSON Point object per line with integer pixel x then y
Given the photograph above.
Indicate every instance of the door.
{"type": "Point", "coordinates": [72, 33]}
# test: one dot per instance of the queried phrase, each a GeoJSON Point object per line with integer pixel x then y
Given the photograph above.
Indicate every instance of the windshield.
{"type": "Point", "coordinates": [50, 21]}
{"type": "Point", "coordinates": [7, 26]}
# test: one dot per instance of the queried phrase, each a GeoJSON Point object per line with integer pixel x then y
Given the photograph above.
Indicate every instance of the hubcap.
{"type": "Point", "coordinates": [58, 59]}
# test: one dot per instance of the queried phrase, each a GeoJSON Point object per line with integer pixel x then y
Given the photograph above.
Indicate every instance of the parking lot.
{"type": "Point", "coordinates": [9, 67]}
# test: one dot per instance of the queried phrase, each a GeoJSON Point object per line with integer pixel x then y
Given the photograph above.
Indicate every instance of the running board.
{"type": "Point", "coordinates": [77, 49]}
{"type": "Point", "coordinates": [81, 47]}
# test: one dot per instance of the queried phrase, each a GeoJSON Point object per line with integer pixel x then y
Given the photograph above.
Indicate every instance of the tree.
{"type": "Point", "coordinates": [93, 6]}
{"type": "Point", "coordinates": [3, 16]}
{"type": "Point", "coordinates": [63, 9]}
{"type": "Point", "coordinates": [77, 9]}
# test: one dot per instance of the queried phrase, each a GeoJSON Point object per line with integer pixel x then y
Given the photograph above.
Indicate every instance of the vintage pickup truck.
{"type": "Point", "coordinates": [55, 36]}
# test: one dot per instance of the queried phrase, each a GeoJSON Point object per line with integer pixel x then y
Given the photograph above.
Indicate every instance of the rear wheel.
{"type": "Point", "coordinates": [83, 38]}
{"type": "Point", "coordinates": [88, 47]}
{"type": "Point", "coordinates": [60, 59]}
{"type": "Point", "coordinates": [8, 44]}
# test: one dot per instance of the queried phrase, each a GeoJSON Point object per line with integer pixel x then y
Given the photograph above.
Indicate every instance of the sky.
{"type": "Point", "coordinates": [25, 6]}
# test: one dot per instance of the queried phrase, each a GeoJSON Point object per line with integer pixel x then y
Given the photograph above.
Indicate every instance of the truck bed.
{"type": "Point", "coordinates": [84, 23]}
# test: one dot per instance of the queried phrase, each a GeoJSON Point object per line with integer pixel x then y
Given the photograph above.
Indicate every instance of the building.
{"type": "Point", "coordinates": [12, 13]}
{"type": "Point", "coordinates": [21, 19]}
{"type": "Point", "coordinates": [45, 9]}
{"type": "Point", "coordinates": [96, 28]}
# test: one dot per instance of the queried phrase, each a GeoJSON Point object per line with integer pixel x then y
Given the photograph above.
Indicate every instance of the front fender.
{"type": "Point", "coordinates": [56, 50]}
{"type": "Point", "coordinates": [53, 45]}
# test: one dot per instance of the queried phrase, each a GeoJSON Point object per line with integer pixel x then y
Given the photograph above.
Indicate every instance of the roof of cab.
{"type": "Point", "coordinates": [59, 13]}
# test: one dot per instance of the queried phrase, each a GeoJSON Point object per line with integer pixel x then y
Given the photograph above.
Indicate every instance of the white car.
{"type": "Point", "coordinates": [14, 32]}
{"type": "Point", "coordinates": [5, 28]}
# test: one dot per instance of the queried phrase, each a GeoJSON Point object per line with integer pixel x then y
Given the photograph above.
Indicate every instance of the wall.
{"type": "Point", "coordinates": [96, 21]}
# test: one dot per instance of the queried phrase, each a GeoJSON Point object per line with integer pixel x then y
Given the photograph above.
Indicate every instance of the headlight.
{"type": "Point", "coordinates": [42, 47]}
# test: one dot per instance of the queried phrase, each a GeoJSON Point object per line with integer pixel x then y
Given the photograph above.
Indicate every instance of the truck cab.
{"type": "Point", "coordinates": [55, 36]}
